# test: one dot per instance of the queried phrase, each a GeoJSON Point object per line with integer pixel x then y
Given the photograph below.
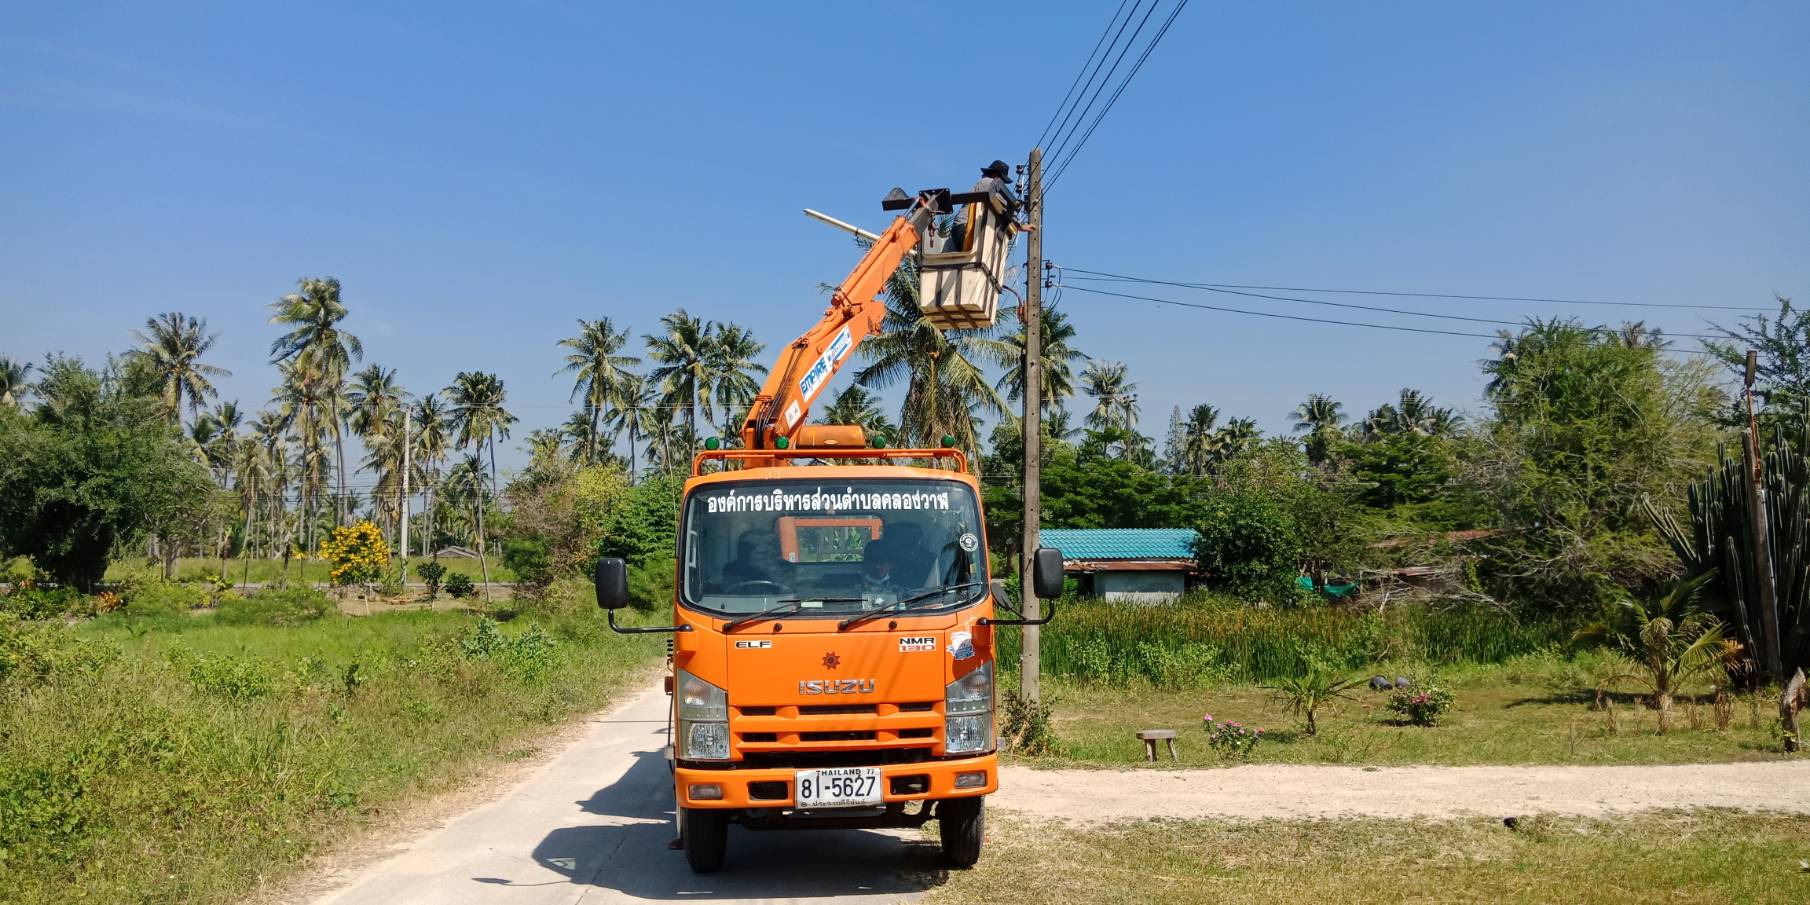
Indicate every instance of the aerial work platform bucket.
{"type": "Point", "coordinates": [961, 275]}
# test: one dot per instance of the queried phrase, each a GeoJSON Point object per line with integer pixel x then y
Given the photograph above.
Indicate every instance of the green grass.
{"type": "Point", "coordinates": [184, 758]}
{"type": "Point", "coordinates": [1532, 710]}
{"type": "Point", "coordinates": [269, 570]}
{"type": "Point", "coordinates": [1705, 857]}
{"type": "Point", "coordinates": [1206, 638]}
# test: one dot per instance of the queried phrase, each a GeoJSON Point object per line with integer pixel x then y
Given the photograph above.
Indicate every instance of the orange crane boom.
{"type": "Point", "coordinates": [856, 310]}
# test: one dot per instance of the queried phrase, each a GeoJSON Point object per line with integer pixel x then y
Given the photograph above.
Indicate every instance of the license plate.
{"type": "Point", "coordinates": [841, 787]}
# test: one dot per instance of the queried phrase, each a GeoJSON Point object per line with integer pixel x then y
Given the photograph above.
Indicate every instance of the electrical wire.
{"type": "Point", "coordinates": [1383, 309]}
{"type": "Point", "coordinates": [1096, 70]}
{"type": "Point", "coordinates": [1078, 73]}
{"type": "Point", "coordinates": [1106, 276]}
{"type": "Point", "coordinates": [1063, 140]}
{"type": "Point", "coordinates": [1063, 167]}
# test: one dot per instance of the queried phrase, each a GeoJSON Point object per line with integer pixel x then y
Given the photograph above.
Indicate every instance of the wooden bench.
{"type": "Point", "coordinates": [1151, 736]}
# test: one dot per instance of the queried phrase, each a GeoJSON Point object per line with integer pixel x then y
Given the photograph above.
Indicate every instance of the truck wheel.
{"type": "Point", "coordinates": [705, 834]}
{"type": "Point", "coordinates": [962, 825]}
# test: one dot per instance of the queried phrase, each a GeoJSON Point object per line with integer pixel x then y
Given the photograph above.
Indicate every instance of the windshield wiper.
{"type": "Point", "coordinates": [905, 604]}
{"type": "Point", "coordinates": [788, 605]}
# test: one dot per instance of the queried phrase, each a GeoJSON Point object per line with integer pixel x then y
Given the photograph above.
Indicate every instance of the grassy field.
{"type": "Point", "coordinates": [262, 571]}
{"type": "Point", "coordinates": [1531, 710]}
{"type": "Point", "coordinates": [183, 758]}
{"type": "Point", "coordinates": [1706, 857]}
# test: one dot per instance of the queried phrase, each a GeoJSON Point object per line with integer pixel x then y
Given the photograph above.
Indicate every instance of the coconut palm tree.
{"type": "Point", "coordinates": [1115, 396]}
{"type": "Point", "coordinates": [1200, 439]}
{"type": "Point", "coordinates": [633, 414]}
{"type": "Point", "coordinates": [271, 436]}
{"type": "Point", "coordinates": [313, 314]}
{"type": "Point", "coordinates": [1320, 418]}
{"type": "Point", "coordinates": [374, 400]}
{"type": "Point", "coordinates": [596, 366]}
{"type": "Point", "coordinates": [171, 346]}
{"type": "Point", "coordinates": [301, 398]}
{"type": "Point", "coordinates": [478, 416]}
{"type": "Point", "coordinates": [855, 405]}
{"type": "Point", "coordinates": [946, 386]}
{"type": "Point", "coordinates": [1412, 413]}
{"type": "Point", "coordinates": [682, 356]}
{"type": "Point", "coordinates": [431, 424]}
{"type": "Point", "coordinates": [1238, 435]}
{"type": "Point", "coordinates": [732, 373]}
{"type": "Point", "coordinates": [14, 381]}
{"type": "Point", "coordinates": [1059, 359]}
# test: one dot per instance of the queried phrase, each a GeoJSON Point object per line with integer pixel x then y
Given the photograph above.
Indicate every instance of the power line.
{"type": "Point", "coordinates": [1062, 141]}
{"type": "Point", "coordinates": [1323, 320]}
{"type": "Point", "coordinates": [1430, 295]}
{"type": "Point", "coordinates": [1377, 308]}
{"type": "Point", "coordinates": [1078, 73]}
{"type": "Point", "coordinates": [1063, 167]}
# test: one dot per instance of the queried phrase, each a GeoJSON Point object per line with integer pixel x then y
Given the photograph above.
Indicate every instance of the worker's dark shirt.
{"type": "Point", "coordinates": [992, 184]}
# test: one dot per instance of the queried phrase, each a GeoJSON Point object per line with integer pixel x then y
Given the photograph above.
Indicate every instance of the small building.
{"type": "Point", "coordinates": [1143, 565]}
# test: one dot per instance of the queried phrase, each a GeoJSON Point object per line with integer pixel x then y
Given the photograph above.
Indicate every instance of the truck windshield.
{"type": "Point", "coordinates": [825, 549]}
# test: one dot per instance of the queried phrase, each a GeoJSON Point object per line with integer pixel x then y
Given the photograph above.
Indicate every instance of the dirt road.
{"type": "Point", "coordinates": [592, 824]}
{"type": "Point", "coordinates": [1310, 792]}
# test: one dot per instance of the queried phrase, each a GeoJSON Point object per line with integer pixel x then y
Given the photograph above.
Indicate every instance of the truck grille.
{"type": "Point", "coordinates": [893, 732]}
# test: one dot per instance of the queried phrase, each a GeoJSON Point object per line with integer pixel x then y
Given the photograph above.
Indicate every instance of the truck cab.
{"type": "Point", "coordinates": [833, 654]}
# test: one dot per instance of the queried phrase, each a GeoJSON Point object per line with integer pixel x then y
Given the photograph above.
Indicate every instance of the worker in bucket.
{"type": "Point", "coordinates": [995, 177]}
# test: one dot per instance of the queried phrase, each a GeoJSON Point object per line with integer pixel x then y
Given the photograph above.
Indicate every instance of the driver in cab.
{"type": "Point", "coordinates": [756, 560]}
{"type": "Point", "coordinates": [877, 561]}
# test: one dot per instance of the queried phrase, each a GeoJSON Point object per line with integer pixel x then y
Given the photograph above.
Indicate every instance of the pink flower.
{"type": "Point", "coordinates": [1208, 718]}
{"type": "Point", "coordinates": [1260, 732]}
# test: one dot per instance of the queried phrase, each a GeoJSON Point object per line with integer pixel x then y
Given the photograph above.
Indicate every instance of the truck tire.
{"type": "Point", "coordinates": [962, 825]}
{"type": "Point", "coordinates": [705, 835]}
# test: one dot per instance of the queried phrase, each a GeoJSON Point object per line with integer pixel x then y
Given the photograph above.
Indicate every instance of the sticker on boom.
{"type": "Point", "coordinates": [912, 643]}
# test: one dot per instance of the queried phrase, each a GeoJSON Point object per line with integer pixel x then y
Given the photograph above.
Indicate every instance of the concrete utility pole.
{"type": "Point", "coordinates": [1030, 667]}
{"type": "Point", "coordinates": [408, 423]}
{"type": "Point", "coordinates": [1770, 658]}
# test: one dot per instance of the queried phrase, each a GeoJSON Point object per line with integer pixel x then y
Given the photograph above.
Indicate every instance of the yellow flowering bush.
{"type": "Point", "coordinates": [357, 554]}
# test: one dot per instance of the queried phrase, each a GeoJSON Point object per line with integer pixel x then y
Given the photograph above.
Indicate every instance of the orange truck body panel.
{"type": "Point", "coordinates": [770, 721]}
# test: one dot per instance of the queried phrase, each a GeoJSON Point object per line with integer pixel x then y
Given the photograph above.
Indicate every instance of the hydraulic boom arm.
{"type": "Point", "coordinates": [856, 310]}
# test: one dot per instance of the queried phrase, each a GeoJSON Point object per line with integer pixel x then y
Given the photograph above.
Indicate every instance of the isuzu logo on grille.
{"type": "Point", "coordinates": [836, 686]}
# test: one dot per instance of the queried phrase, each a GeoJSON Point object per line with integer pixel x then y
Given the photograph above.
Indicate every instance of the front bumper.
{"type": "Point", "coordinates": [772, 787]}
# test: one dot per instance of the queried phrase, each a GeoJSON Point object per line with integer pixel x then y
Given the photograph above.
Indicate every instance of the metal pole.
{"type": "Point", "coordinates": [1030, 667]}
{"type": "Point", "coordinates": [408, 423]}
{"type": "Point", "coordinates": [1770, 657]}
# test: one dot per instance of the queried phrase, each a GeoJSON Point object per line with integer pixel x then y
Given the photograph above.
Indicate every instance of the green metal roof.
{"type": "Point", "coordinates": [1120, 543]}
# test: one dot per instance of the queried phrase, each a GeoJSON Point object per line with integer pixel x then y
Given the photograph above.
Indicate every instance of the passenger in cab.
{"type": "Point", "coordinates": [877, 560]}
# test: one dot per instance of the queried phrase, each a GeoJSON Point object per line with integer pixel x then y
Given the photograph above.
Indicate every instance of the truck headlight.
{"type": "Point", "coordinates": [703, 718]}
{"type": "Point", "coordinates": [968, 712]}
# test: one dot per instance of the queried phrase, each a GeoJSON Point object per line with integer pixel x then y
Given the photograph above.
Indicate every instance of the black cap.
{"type": "Point", "coordinates": [997, 168]}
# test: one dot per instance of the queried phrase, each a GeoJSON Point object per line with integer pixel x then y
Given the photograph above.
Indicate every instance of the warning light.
{"type": "Point", "coordinates": [879, 443]}
{"type": "Point", "coordinates": [712, 443]}
{"type": "Point", "coordinates": [782, 442]}
{"type": "Point", "coordinates": [949, 440]}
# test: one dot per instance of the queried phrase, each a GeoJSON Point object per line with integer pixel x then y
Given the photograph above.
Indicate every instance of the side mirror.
{"type": "Point", "coordinates": [1046, 573]}
{"type": "Point", "coordinates": [612, 583]}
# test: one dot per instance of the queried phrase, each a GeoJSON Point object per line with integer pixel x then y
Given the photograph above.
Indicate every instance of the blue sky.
{"type": "Point", "coordinates": [480, 178]}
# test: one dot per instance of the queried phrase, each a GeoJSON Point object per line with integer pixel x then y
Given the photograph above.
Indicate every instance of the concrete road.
{"type": "Point", "coordinates": [593, 825]}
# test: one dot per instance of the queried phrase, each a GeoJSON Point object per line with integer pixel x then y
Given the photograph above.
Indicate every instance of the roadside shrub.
{"type": "Point", "coordinates": [276, 606]}
{"type": "Point", "coordinates": [1231, 739]}
{"type": "Point", "coordinates": [1024, 727]}
{"type": "Point", "coordinates": [529, 655]}
{"type": "Point", "coordinates": [527, 557]}
{"type": "Point", "coordinates": [163, 598]}
{"type": "Point", "coordinates": [224, 675]}
{"type": "Point", "coordinates": [650, 582]}
{"type": "Point", "coordinates": [1306, 693]}
{"type": "Point", "coordinates": [460, 585]}
{"type": "Point", "coordinates": [31, 653]}
{"type": "Point", "coordinates": [430, 574]}
{"type": "Point", "coordinates": [46, 812]}
{"type": "Point", "coordinates": [33, 601]}
{"type": "Point", "coordinates": [1421, 704]}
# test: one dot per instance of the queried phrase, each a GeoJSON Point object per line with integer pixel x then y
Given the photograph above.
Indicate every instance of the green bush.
{"type": "Point", "coordinates": [32, 601]}
{"type": "Point", "coordinates": [31, 653]}
{"type": "Point", "coordinates": [276, 606]}
{"type": "Point", "coordinates": [164, 598]}
{"type": "Point", "coordinates": [1421, 704]}
{"type": "Point", "coordinates": [650, 583]}
{"type": "Point", "coordinates": [527, 557]}
{"type": "Point", "coordinates": [233, 677]}
{"type": "Point", "coordinates": [430, 574]}
{"type": "Point", "coordinates": [529, 655]}
{"type": "Point", "coordinates": [460, 585]}
{"type": "Point", "coordinates": [1248, 546]}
